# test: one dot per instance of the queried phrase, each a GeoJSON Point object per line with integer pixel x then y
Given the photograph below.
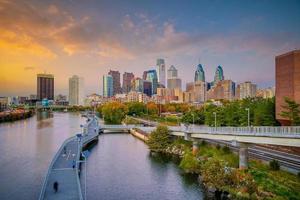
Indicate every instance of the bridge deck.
{"type": "Point", "coordinates": [61, 168]}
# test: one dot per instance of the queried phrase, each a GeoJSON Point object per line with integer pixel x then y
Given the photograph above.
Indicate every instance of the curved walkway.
{"type": "Point", "coordinates": [64, 167]}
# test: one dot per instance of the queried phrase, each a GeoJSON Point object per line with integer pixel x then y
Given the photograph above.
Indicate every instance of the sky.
{"type": "Point", "coordinates": [90, 37]}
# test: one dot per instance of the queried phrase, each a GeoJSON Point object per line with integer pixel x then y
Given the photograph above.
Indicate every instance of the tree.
{"type": "Point", "coordinates": [291, 111]}
{"type": "Point", "coordinates": [152, 108]}
{"type": "Point", "coordinates": [159, 139]}
{"type": "Point", "coordinates": [114, 112]}
{"type": "Point", "coordinates": [136, 108]}
{"type": "Point", "coordinates": [196, 116]}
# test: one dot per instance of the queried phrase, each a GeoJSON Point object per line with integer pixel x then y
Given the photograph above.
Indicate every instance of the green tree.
{"type": "Point", "coordinates": [114, 112]}
{"type": "Point", "coordinates": [264, 113]}
{"type": "Point", "coordinates": [136, 108]}
{"type": "Point", "coordinates": [197, 116]}
{"type": "Point", "coordinates": [291, 111]}
{"type": "Point", "coordinates": [159, 139]}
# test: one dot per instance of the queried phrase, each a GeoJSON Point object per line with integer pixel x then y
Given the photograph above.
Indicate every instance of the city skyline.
{"type": "Point", "coordinates": [89, 39]}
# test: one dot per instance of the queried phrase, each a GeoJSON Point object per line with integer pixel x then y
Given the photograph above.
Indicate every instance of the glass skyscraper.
{"type": "Point", "coordinates": [199, 74]}
{"type": "Point", "coordinates": [108, 87]}
{"type": "Point", "coordinates": [152, 77]}
{"type": "Point", "coordinates": [219, 75]}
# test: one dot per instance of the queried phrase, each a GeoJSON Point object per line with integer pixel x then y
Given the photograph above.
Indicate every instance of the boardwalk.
{"type": "Point", "coordinates": [64, 166]}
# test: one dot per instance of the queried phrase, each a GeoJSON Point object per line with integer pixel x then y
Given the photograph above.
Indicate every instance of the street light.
{"type": "Point", "coordinates": [215, 114]}
{"type": "Point", "coordinates": [248, 109]}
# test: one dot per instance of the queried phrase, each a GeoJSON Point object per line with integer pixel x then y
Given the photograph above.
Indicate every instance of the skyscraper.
{"type": "Point", "coordinates": [160, 63]}
{"type": "Point", "coordinates": [199, 74]}
{"type": "Point", "coordinates": [147, 86]}
{"type": "Point", "coordinates": [219, 75]}
{"type": "Point", "coordinates": [108, 87]}
{"type": "Point", "coordinates": [200, 89]}
{"type": "Point", "coordinates": [152, 77]}
{"type": "Point", "coordinates": [76, 90]}
{"type": "Point", "coordinates": [116, 81]}
{"type": "Point", "coordinates": [173, 80]}
{"type": "Point", "coordinates": [127, 78]}
{"type": "Point", "coordinates": [287, 81]}
{"type": "Point", "coordinates": [222, 90]}
{"type": "Point", "coordinates": [45, 86]}
{"type": "Point", "coordinates": [137, 85]}
{"type": "Point", "coordinates": [145, 75]}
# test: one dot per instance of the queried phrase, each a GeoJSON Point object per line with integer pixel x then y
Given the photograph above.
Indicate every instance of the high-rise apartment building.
{"type": "Point", "coordinates": [45, 86]}
{"type": "Point", "coordinates": [116, 81]}
{"type": "Point", "coordinates": [76, 90]}
{"type": "Point", "coordinates": [200, 89]}
{"type": "Point", "coordinates": [287, 81]}
{"type": "Point", "coordinates": [266, 93]}
{"type": "Point", "coordinates": [108, 86]}
{"type": "Point", "coordinates": [152, 77]}
{"type": "Point", "coordinates": [199, 74]}
{"type": "Point", "coordinates": [246, 89]}
{"type": "Point", "coordinates": [127, 78]}
{"type": "Point", "coordinates": [172, 72]}
{"type": "Point", "coordinates": [222, 90]}
{"type": "Point", "coordinates": [160, 63]}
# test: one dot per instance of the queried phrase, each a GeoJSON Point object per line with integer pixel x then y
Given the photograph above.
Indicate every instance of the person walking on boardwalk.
{"type": "Point", "coordinates": [55, 186]}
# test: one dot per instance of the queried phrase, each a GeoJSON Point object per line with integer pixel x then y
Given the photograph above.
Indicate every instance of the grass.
{"type": "Point", "coordinates": [282, 184]}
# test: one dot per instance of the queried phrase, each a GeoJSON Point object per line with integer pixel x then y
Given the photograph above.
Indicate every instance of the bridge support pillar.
{"type": "Point", "coordinates": [187, 136]}
{"type": "Point", "coordinates": [243, 156]}
{"type": "Point", "coordinates": [195, 147]}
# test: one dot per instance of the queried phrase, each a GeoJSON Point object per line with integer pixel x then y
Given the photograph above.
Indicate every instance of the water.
{"type": "Point", "coordinates": [119, 166]}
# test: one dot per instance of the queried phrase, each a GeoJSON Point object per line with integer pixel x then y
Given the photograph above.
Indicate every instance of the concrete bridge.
{"type": "Point", "coordinates": [64, 168]}
{"type": "Point", "coordinates": [241, 137]}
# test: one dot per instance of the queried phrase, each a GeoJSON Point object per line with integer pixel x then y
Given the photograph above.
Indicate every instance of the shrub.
{"type": "Point", "coordinates": [218, 146]}
{"type": "Point", "coordinates": [226, 149]}
{"type": "Point", "coordinates": [274, 165]}
{"type": "Point", "coordinates": [159, 139]}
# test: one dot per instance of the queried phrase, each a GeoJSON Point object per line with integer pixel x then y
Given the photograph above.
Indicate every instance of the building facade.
{"type": "Point", "coordinates": [127, 78]}
{"type": "Point", "coordinates": [246, 89]}
{"type": "Point", "coordinates": [108, 86]}
{"type": "Point", "coordinates": [137, 85]}
{"type": "Point", "coordinates": [116, 81]}
{"type": "Point", "coordinates": [222, 90]}
{"type": "Point", "coordinates": [200, 89]}
{"type": "Point", "coordinates": [287, 81]}
{"type": "Point", "coordinates": [199, 74]}
{"type": "Point", "coordinates": [161, 69]}
{"type": "Point", "coordinates": [76, 90]}
{"type": "Point", "coordinates": [152, 77]}
{"type": "Point", "coordinates": [147, 86]}
{"type": "Point", "coordinates": [45, 87]}
{"type": "Point", "coordinates": [266, 93]}
{"type": "Point", "coordinates": [219, 75]}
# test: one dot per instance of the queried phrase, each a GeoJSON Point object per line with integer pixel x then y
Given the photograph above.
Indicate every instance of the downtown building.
{"type": "Point", "coordinates": [287, 81]}
{"type": "Point", "coordinates": [45, 87]}
{"type": "Point", "coordinates": [224, 89]}
{"type": "Point", "coordinates": [173, 80]}
{"type": "Point", "coordinates": [108, 86]}
{"type": "Point", "coordinates": [152, 77]}
{"type": "Point", "coordinates": [116, 81]}
{"type": "Point", "coordinates": [266, 93]}
{"type": "Point", "coordinates": [245, 90]}
{"type": "Point", "coordinates": [161, 69]}
{"type": "Point", "coordinates": [76, 90]}
{"type": "Point", "coordinates": [127, 78]}
{"type": "Point", "coordinates": [137, 85]}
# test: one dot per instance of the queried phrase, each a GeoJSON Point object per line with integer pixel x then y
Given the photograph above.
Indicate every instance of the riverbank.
{"type": "Point", "coordinates": [18, 114]}
{"type": "Point", "coordinates": [217, 168]}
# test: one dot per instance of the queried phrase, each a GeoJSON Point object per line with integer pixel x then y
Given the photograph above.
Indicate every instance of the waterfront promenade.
{"type": "Point", "coordinates": [64, 168]}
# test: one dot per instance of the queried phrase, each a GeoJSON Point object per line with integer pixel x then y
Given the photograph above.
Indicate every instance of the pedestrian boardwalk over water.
{"type": "Point", "coordinates": [64, 168]}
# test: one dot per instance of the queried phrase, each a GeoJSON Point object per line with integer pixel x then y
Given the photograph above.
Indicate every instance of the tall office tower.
{"type": "Point", "coordinates": [152, 76]}
{"type": "Point", "coordinates": [173, 80]}
{"type": "Point", "coordinates": [287, 81]}
{"type": "Point", "coordinates": [145, 75]}
{"type": "Point", "coordinates": [108, 86]}
{"type": "Point", "coordinates": [45, 86]}
{"type": "Point", "coordinates": [160, 63]}
{"type": "Point", "coordinates": [199, 74]}
{"type": "Point", "coordinates": [219, 75]}
{"type": "Point", "coordinates": [127, 78]}
{"type": "Point", "coordinates": [172, 72]}
{"type": "Point", "coordinates": [200, 89]}
{"type": "Point", "coordinates": [116, 81]}
{"type": "Point", "coordinates": [189, 86]}
{"type": "Point", "coordinates": [222, 90]}
{"type": "Point", "coordinates": [246, 89]}
{"type": "Point", "coordinates": [76, 90]}
{"type": "Point", "coordinates": [137, 85]}
{"type": "Point", "coordinates": [147, 86]}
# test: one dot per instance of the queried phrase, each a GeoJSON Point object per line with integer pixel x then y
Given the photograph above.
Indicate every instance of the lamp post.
{"type": "Point", "coordinates": [248, 109]}
{"type": "Point", "coordinates": [215, 114]}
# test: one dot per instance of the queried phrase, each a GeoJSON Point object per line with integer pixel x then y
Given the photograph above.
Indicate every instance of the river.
{"type": "Point", "coordinates": [119, 166]}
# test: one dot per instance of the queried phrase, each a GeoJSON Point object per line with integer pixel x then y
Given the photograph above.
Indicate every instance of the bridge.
{"type": "Point", "coordinates": [241, 137]}
{"type": "Point", "coordinates": [65, 166]}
